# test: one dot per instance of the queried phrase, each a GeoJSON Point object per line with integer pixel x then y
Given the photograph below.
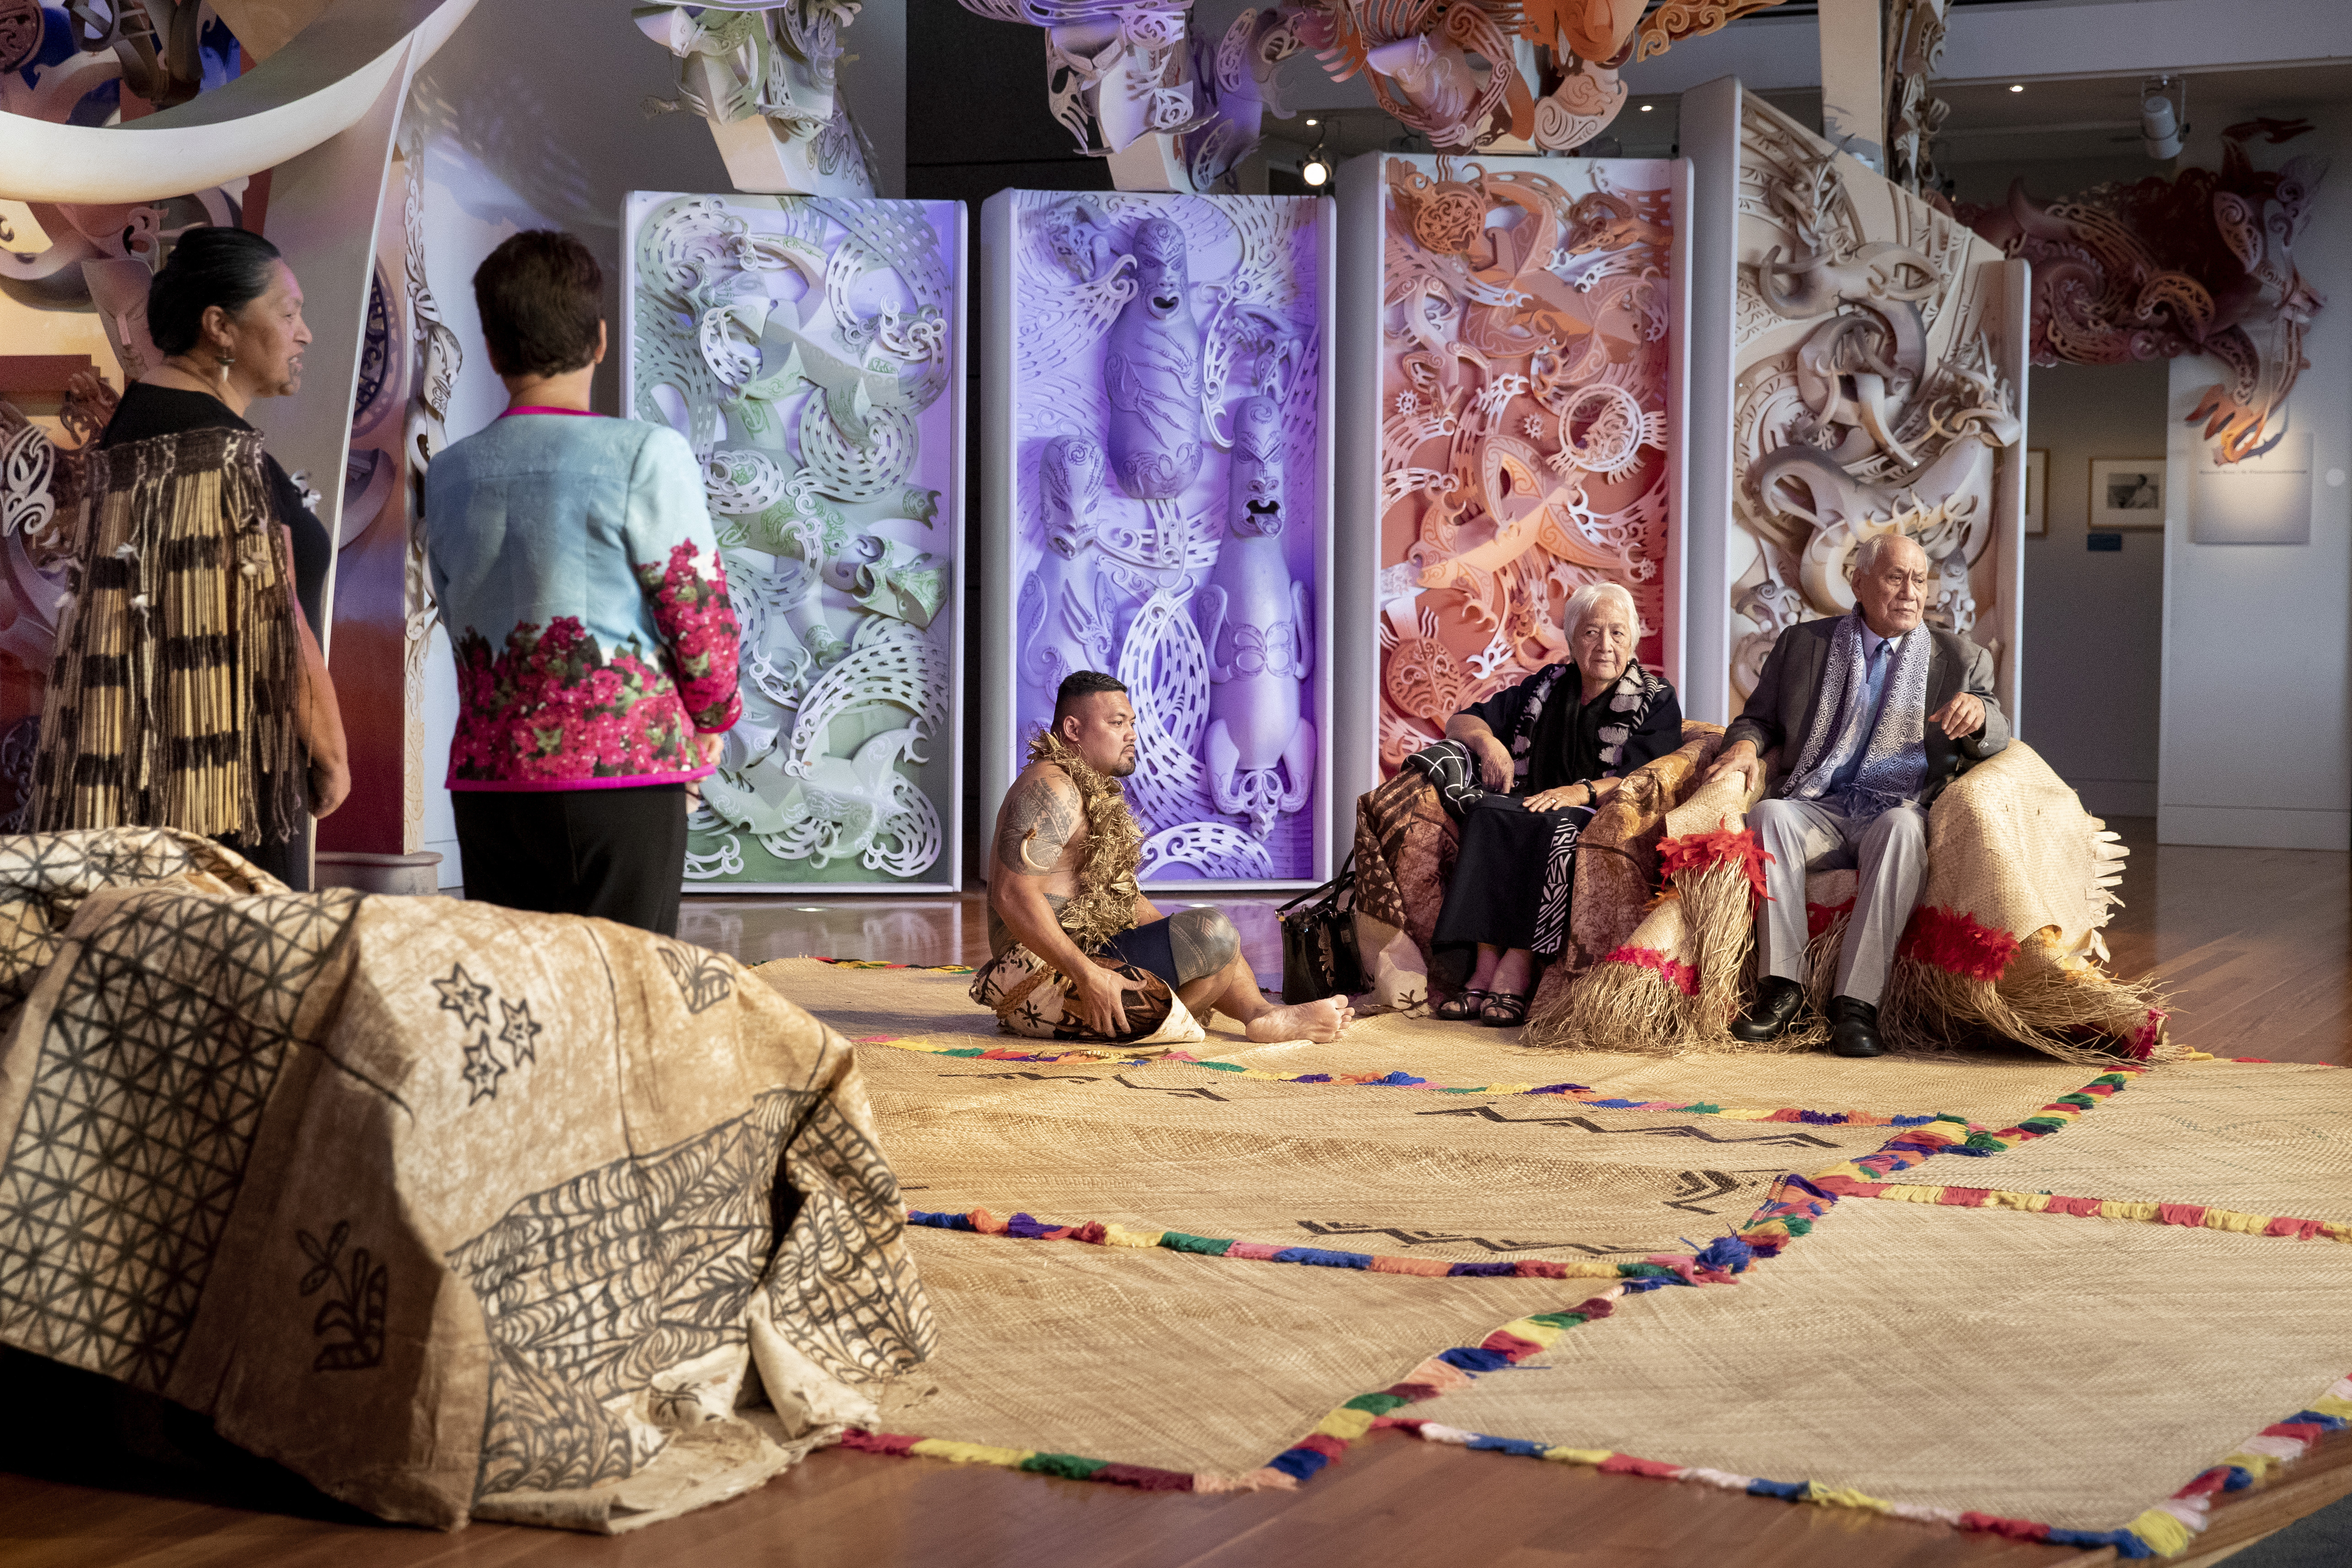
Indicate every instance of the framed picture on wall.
{"type": "Point", "coordinates": [2037, 489]}
{"type": "Point", "coordinates": [2126, 492]}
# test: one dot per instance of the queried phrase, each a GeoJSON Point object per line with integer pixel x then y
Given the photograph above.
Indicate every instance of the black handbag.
{"type": "Point", "coordinates": [1319, 957]}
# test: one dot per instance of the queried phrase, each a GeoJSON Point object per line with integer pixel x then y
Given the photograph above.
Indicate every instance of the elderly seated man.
{"type": "Point", "coordinates": [1875, 713]}
{"type": "Point", "coordinates": [1548, 751]}
{"type": "Point", "coordinates": [1063, 904]}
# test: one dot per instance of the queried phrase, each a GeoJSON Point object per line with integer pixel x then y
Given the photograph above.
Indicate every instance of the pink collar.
{"type": "Point", "coordinates": [534, 408]}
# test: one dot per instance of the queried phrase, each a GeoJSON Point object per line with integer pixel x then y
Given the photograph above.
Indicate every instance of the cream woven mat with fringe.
{"type": "Point", "coordinates": [1968, 1359]}
{"type": "Point", "coordinates": [1178, 1361]}
{"type": "Point", "coordinates": [930, 1008]}
{"type": "Point", "coordinates": [1482, 1178]}
{"type": "Point", "coordinates": [2266, 1138]}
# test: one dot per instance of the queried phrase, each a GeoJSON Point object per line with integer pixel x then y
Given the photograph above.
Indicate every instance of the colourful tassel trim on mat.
{"type": "Point", "coordinates": [877, 964]}
{"type": "Point", "coordinates": [2195, 1217]}
{"type": "Point", "coordinates": [1819, 918]}
{"type": "Point", "coordinates": [1507, 1346]}
{"type": "Point", "coordinates": [1581, 1093]}
{"type": "Point", "coordinates": [1735, 846]}
{"type": "Point", "coordinates": [1673, 970]}
{"type": "Point", "coordinates": [2165, 1530]}
{"type": "Point", "coordinates": [1715, 1266]}
{"type": "Point", "coordinates": [1953, 941]}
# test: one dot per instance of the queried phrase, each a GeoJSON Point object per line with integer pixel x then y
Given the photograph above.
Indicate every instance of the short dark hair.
{"type": "Point", "coordinates": [1077, 687]}
{"type": "Point", "coordinates": [541, 295]}
{"type": "Point", "coordinates": [209, 265]}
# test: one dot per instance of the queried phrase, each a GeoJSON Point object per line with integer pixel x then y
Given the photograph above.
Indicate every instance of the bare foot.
{"type": "Point", "coordinates": [1318, 1021]}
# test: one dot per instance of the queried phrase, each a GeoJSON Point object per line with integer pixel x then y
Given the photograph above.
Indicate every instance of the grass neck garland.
{"type": "Point", "coordinates": [1104, 905]}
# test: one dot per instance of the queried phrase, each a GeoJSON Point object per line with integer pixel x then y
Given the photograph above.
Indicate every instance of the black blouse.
{"type": "Point", "coordinates": [150, 411]}
{"type": "Point", "coordinates": [1566, 745]}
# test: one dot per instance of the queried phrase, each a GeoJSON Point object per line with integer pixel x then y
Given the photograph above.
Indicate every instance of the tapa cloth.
{"type": "Point", "coordinates": [451, 1210]}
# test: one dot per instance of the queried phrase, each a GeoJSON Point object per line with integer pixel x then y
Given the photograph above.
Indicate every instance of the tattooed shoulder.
{"type": "Point", "coordinates": [1040, 817]}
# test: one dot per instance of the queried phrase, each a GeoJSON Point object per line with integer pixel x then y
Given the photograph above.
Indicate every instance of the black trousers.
{"type": "Point", "coordinates": [619, 854]}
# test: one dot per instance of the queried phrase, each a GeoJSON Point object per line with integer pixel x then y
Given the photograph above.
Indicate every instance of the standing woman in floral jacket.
{"type": "Point", "coordinates": [580, 581]}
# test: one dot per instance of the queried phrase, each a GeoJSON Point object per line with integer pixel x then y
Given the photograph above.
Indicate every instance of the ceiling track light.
{"type": "Point", "coordinates": [2161, 125]}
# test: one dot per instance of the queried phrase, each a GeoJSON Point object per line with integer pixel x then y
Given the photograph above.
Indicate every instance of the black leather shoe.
{"type": "Point", "coordinates": [1776, 1001]}
{"type": "Point", "coordinates": [1853, 1028]}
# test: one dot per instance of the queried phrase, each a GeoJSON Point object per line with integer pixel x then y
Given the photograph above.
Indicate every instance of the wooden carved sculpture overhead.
{"type": "Point", "coordinates": [1498, 75]}
{"type": "Point", "coordinates": [1867, 395]}
{"type": "Point", "coordinates": [1557, 93]}
{"type": "Point", "coordinates": [2200, 263]}
{"type": "Point", "coordinates": [1526, 323]}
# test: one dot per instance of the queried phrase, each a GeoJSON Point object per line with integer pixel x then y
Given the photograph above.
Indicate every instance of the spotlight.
{"type": "Point", "coordinates": [1312, 121]}
{"type": "Point", "coordinates": [2160, 126]}
{"type": "Point", "coordinates": [1316, 170]}
{"type": "Point", "coordinates": [2017, 86]}
{"type": "Point", "coordinates": [1647, 107]}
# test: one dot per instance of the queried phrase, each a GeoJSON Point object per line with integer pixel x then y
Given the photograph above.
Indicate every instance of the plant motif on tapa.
{"type": "Point", "coordinates": [353, 1311]}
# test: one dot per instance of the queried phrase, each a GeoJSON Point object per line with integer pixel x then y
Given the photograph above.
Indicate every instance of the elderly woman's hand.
{"type": "Point", "coordinates": [1564, 796]}
{"type": "Point", "coordinates": [1495, 769]}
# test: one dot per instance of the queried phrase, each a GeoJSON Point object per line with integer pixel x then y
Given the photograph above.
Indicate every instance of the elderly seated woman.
{"type": "Point", "coordinates": [1548, 750]}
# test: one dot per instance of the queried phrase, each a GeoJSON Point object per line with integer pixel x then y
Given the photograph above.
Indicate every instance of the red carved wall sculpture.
{"type": "Point", "coordinates": [2200, 263]}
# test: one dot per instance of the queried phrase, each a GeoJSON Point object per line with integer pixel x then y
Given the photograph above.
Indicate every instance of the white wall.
{"type": "Point", "coordinates": [2095, 621]}
{"type": "Point", "coordinates": [2257, 747]}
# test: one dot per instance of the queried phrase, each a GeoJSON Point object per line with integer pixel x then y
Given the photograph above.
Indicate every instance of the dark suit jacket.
{"type": "Point", "coordinates": [1780, 710]}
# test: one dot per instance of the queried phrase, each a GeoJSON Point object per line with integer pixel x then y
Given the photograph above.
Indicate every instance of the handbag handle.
{"type": "Point", "coordinates": [1329, 890]}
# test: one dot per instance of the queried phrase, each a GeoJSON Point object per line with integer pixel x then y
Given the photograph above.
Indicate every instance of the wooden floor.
{"type": "Point", "coordinates": [2257, 946]}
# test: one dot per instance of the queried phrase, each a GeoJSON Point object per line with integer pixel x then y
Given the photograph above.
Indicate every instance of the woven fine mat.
{"type": "Point", "coordinates": [1955, 1358]}
{"type": "Point", "coordinates": [926, 1007]}
{"type": "Point", "coordinates": [1473, 1177]}
{"type": "Point", "coordinates": [1180, 1362]}
{"type": "Point", "coordinates": [2265, 1138]}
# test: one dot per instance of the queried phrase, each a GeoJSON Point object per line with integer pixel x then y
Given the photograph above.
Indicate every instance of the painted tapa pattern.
{"type": "Point", "coordinates": [435, 1203]}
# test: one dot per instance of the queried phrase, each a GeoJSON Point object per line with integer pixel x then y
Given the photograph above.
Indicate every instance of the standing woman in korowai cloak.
{"type": "Point", "coordinates": [1522, 776]}
{"type": "Point", "coordinates": [188, 689]}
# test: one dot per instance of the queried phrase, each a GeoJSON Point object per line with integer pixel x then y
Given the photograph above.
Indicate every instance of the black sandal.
{"type": "Point", "coordinates": [1462, 1006]}
{"type": "Point", "coordinates": [1506, 1009]}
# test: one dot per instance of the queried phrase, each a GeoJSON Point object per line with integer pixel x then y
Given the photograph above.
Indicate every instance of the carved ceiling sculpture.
{"type": "Point", "coordinates": [1121, 72]}
{"type": "Point", "coordinates": [1527, 338]}
{"type": "Point", "coordinates": [765, 78]}
{"type": "Point", "coordinates": [2200, 263]}
{"type": "Point", "coordinates": [807, 348]}
{"type": "Point", "coordinates": [1170, 505]}
{"type": "Point", "coordinates": [1549, 77]}
{"type": "Point", "coordinates": [99, 256]}
{"type": "Point", "coordinates": [1867, 399]}
{"type": "Point", "coordinates": [1913, 32]}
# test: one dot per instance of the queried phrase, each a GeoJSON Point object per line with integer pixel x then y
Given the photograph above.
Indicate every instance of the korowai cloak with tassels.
{"type": "Point", "coordinates": [172, 703]}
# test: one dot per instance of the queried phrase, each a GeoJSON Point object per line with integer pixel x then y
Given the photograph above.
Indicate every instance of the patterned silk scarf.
{"type": "Point", "coordinates": [1896, 764]}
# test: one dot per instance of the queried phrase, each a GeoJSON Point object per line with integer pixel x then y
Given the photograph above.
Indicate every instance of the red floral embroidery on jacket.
{"type": "Point", "coordinates": [554, 707]}
{"type": "Point", "coordinates": [698, 624]}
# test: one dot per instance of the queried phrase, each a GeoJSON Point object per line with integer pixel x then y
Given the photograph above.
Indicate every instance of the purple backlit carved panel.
{"type": "Point", "coordinates": [1156, 415]}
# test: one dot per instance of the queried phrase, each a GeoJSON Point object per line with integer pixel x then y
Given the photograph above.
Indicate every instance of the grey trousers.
{"type": "Point", "coordinates": [1889, 851]}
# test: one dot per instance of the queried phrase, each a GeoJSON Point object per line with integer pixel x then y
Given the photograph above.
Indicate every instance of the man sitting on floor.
{"type": "Point", "coordinates": [1883, 713]}
{"type": "Point", "coordinates": [1062, 885]}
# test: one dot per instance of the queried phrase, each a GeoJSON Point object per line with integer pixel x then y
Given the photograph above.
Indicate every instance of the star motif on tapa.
{"type": "Point", "coordinates": [460, 995]}
{"type": "Point", "coordinates": [520, 1034]}
{"type": "Point", "coordinates": [483, 1071]}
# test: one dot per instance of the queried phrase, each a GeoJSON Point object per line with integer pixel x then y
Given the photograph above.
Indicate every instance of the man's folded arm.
{"type": "Point", "coordinates": [1995, 733]}
{"type": "Point", "coordinates": [1759, 724]}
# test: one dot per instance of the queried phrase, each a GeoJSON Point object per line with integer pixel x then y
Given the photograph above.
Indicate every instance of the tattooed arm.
{"type": "Point", "coordinates": [1037, 828]}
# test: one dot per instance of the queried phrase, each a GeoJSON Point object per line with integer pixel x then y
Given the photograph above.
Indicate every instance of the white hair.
{"type": "Point", "coordinates": [1870, 551]}
{"type": "Point", "coordinates": [1585, 600]}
